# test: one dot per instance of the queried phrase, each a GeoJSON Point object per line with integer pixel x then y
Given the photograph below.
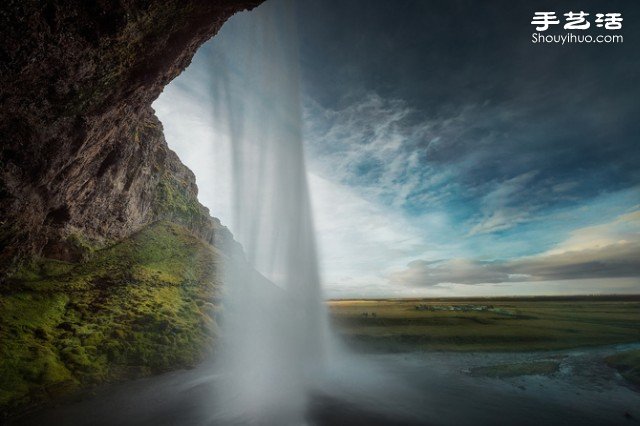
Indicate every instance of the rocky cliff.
{"type": "Point", "coordinates": [108, 263]}
{"type": "Point", "coordinates": [83, 161]}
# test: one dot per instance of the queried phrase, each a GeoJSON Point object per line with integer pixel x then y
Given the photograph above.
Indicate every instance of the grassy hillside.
{"type": "Point", "coordinates": [143, 305]}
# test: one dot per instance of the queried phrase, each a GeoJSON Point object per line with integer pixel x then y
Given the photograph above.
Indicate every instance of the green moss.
{"type": "Point", "coordinates": [29, 358]}
{"type": "Point", "coordinates": [37, 269]}
{"type": "Point", "coordinates": [27, 272]}
{"type": "Point", "coordinates": [173, 202]}
{"type": "Point", "coordinates": [82, 244]}
{"type": "Point", "coordinates": [627, 364]}
{"type": "Point", "coordinates": [131, 309]}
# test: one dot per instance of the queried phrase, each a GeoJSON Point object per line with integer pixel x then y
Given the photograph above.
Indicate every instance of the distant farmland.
{"type": "Point", "coordinates": [484, 324]}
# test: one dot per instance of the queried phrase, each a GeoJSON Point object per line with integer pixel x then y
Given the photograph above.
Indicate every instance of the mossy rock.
{"type": "Point", "coordinates": [130, 309]}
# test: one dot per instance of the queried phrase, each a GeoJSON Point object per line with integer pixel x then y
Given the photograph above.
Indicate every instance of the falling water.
{"type": "Point", "coordinates": [274, 320]}
{"type": "Point", "coordinates": [278, 360]}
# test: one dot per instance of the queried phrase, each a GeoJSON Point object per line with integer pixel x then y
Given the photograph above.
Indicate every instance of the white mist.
{"type": "Point", "coordinates": [275, 326]}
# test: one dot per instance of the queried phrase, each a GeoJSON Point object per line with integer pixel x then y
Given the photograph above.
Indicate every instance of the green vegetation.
{"type": "Point", "coordinates": [174, 204]}
{"type": "Point", "coordinates": [627, 364]}
{"type": "Point", "coordinates": [141, 306]}
{"type": "Point", "coordinates": [517, 369]}
{"type": "Point", "coordinates": [486, 325]}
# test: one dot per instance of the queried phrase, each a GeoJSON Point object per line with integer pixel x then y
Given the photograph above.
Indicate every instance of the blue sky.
{"type": "Point", "coordinates": [447, 154]}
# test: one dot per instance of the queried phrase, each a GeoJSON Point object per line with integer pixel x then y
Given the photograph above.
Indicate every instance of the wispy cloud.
{"type": "Point", "coordinates": [398, 155]}
{"type": "Point", "coordinates": [466, 161]}
{"type": "Point", "coordinates": [508, 204]}
{"type": "Point", "coordinates": [367, 145]}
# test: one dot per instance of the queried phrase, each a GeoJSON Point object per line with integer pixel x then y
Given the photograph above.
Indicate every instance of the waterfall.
{"type": "Point", "coordinates": [275, 326]}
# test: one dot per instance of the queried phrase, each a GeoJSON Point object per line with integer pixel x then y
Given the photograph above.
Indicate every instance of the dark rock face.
{"type": "Point", "coordinates": [82, 156]}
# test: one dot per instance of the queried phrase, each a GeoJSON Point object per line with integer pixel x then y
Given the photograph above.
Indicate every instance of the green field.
{"type": "Point", "coordinates": [510, 324]}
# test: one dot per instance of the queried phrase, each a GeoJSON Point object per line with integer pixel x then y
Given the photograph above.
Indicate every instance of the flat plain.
{"type": "Point", "coordinates": [500, 324]}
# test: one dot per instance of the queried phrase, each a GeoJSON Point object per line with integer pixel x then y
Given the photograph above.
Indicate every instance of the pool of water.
{"type": "Point", "coordinates": [400, 389]}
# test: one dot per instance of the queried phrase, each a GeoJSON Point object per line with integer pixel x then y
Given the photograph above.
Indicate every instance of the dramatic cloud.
{"type": "Point", "coordinates": [610, 250]}
{"type": "Point", "coordinates": [495, 132]}
{"type": "Point", "coordinates": [474, 148]}
{"type": "Point", "coordinates": [367, 145]}
{"type": "Point", "coordinates": [457, 271]}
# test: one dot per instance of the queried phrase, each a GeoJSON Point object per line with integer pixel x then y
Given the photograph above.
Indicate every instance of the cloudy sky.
{"type": "Point", "coordinates": [449, 155]}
